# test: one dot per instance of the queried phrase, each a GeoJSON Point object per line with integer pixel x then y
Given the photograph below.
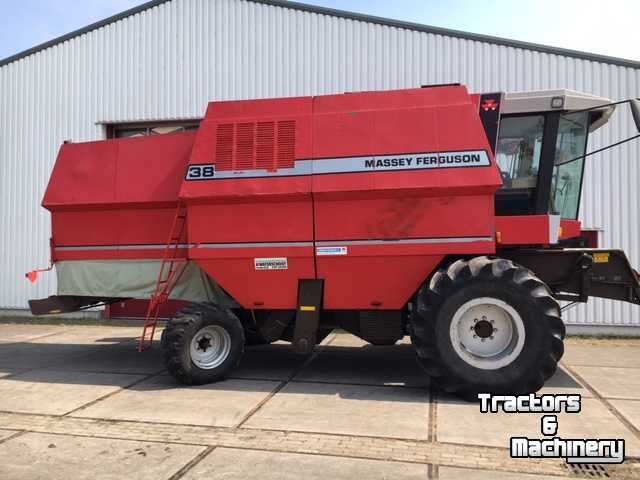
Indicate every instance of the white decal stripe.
{"type": "Point", "coordinates": [336, 243]}
{"type": "Point", "coordinates": [407, 241]}
{"type": "Point", "coordinates": [256, 245]}
{"type": "Point", "coordinates": [117, 247]}
{"type": "Point", "coordinates": [413, 161]}
{"type": "Point", "coordinates": [372, 163]}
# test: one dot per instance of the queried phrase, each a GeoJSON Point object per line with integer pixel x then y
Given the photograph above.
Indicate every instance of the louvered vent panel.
{"type": "Point", "coordinates": [265, 145]}
{"type": "Point", "coordinates": [262, 146]}
{"type": "Point", "coordinates": [224, 146]}
{"type": "Point", "coordinates": [244, 156]}
{"type": "Point", "coordinates": [286, 144]}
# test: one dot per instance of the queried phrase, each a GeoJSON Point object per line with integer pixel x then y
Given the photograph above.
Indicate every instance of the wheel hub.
{"type": "Point", "coordinates": [487, 333]}
{"type": "Point", "coordinates": [210, 347]}
{"type": "Point", "coordinates": [483, 329]}
{"type": "Point", "coordinates": [204, 343]}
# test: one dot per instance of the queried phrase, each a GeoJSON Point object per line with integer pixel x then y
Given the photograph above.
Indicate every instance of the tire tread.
{"type": "Point", "coordinates": [433, 293]}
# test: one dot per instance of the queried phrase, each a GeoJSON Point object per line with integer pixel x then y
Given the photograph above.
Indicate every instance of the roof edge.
{"type": "Point", "coordinates": [623, 62]}
{"type": "Point", "coordinates": [82, 31]}
{"type": "Point", "coordinates": [292, 5]}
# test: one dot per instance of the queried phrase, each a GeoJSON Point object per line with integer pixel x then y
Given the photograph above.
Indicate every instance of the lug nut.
{"type": "Point", "coordinates": [493, 321]}
{"type": "Point", "coordinates": [475, 320]}
{"type": "Point", "coordinates": [470, 328]}
{"type": "Point", "coordinates": [475, 336]}
{"type": "Point", "coordinates": [483, 340]}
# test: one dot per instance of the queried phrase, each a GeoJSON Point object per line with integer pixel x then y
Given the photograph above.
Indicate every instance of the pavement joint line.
{"type": "Point", "coordinates": [257, 449]}
{"type": "Point", "coordinates": [11, 375]}
{"type": "Point", "coordinates": [283, 383]}
{"type": "Point", "coordinates": [38, 337]}
{"type": "Point", "coordinates": [386, 385]}
{"type": "Point", "coordinates": [628, 399]}
{"type": "Point", "coordinates": [404, 451]}
{"type": "Point", "coordinates": [256, 379]}
{"type": "Point", "coordinates": [434, 466]}
{"type": "Point", "coordinates": [604, 366]}
{"type": "Point", "coordinates": [16, 434]}
{"type": "Point", "coordinates": [127, 439]}
{"type": "Point", "coordinates": [344, 435]}
{"type": "Point", "coordinates": [192, 463]}
{"type": "Point", "coordinates": [432, 434]}
{"type": "Point", "coordinates": [105, 372]}
{"type": "Point", "coordinates": [233, 430]}
{"type": "Point", "coordinates": [57, 365]}
{"type": "Point", "coordinates": [110, 394]}
{"type": "Point", "coordinates": [616, 413]}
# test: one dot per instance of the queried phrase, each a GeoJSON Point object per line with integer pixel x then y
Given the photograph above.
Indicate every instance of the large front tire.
{"type": "Point", "coordinates": [487, 326]}
{"type": "Point", "coordinates": [202, 344]}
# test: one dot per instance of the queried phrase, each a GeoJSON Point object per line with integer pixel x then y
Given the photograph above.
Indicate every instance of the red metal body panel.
{"type": "Point", "coordinates": [570, 229]}
{"type": "Point", "coordinates": [257, 210]}
{"type": "Point", "coordinates": [116, 193]}
{"type": "Point", "coordinates": [368, 191]}
{"type": "Point", "coordinates": [411, 204]}
{"type": "Point", "coordinates": [234, 269]}
{"type": "Point", "coordinates": [335, 205]}
{"type": "Point", "coordinates": [523, 230]}
{"type": "Point", "coordinates": [137, 309]}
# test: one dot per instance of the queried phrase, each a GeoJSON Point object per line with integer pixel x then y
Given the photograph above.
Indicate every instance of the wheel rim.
{"type": "Point", "coordinates": [210, 347]}
{"type": "Point", "coordinates": [487, 333]}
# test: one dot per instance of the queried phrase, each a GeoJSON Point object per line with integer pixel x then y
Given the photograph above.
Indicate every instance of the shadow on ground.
{"type": "Point", "coordinates": [336, 367]}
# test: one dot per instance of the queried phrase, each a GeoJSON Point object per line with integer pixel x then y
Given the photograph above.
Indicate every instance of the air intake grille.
{"type": "Point", "coordinates": [262, 145]}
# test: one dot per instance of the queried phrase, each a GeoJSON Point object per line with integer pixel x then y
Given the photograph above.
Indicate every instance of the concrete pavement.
{"type": "Point", "coordinates": [79, 402]}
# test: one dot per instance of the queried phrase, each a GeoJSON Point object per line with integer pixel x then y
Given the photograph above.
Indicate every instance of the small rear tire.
{"type": "Point", "coordinates": [487, 326]}
{"type": "Point", "coordinates": [202, 344]}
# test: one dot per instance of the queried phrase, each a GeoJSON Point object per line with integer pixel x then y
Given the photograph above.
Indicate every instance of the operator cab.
{"type": "Point", "coordinates": [541, 140]}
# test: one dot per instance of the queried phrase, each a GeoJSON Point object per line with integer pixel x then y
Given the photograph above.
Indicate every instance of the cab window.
{"type": "Point", "coordinates": [518, 151]}
{"type": "Point", "coordinates": [567, 172]}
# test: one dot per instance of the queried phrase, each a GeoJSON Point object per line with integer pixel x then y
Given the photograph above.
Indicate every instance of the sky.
{"type": "Point", "coordinates": [608, 28]}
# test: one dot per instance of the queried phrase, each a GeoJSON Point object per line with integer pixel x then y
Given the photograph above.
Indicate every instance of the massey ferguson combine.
{"type": "Point", "coordinates": [430, 212]}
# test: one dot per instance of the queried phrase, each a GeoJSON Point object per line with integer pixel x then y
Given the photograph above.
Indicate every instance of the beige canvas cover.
{"type": "Point", "coordinates": [134, 279]}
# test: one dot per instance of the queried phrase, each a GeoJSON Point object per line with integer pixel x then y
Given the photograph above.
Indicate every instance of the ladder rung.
{"type": "Point", "coordinates": [173, 267]}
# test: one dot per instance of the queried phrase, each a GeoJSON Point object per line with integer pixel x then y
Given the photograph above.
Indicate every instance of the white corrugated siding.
{"type": "Point", "coordinates": [167, 62]}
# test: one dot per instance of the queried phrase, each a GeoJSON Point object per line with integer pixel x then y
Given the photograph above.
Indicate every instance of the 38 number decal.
{"type": "Point", "coordinates": [201, 172]}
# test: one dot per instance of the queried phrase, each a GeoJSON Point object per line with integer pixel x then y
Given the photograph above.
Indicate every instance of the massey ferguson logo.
{"type": "Point", "coordinates": [428, 160]}
{"type": "Point", "coordinates": [490, 104]}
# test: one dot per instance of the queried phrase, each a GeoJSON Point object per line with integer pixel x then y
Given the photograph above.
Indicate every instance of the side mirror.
{"type": "Point", "coordinates": [635, 111]}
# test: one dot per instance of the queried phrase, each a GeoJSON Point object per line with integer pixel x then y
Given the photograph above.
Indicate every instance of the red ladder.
{"type": "Point", "coordinates": [171, 269]}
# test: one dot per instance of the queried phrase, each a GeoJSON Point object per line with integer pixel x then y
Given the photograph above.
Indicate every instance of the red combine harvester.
{"type": "Point", "coordinates": [430, 212]}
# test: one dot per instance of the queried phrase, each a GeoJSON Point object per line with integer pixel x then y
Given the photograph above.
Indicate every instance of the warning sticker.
{"type": "Point", "coordinates": [271, 263]}
{"type": "Point", "coordinates": [602, 257]}
{"type": "Point", "coordinates": [331, 250]}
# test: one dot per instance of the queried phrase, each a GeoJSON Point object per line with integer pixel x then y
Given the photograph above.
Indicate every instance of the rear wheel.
{"type": "Point", "coordinates": [202, 343]}
{"type": "Point", "coordinates": [487, 325]}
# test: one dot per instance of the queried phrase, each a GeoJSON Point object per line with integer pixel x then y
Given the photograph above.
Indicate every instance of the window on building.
{"type": "Point", "coordinates": [146, 129]}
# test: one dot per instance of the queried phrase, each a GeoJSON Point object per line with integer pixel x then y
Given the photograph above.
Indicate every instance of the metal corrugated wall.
{"type": "Point", "coordinates": [168, 61]}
